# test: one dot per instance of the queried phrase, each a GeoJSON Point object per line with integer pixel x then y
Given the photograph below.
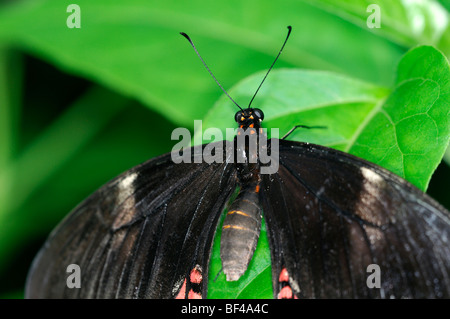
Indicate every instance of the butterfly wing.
{"type": "Point", "coordinates": [146, 234]}
{"type": "Point", "coordinates": [331, 215]}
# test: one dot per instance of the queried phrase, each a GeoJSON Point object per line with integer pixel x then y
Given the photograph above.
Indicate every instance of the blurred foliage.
{"type": "Point", "coordinates": [79, 106]}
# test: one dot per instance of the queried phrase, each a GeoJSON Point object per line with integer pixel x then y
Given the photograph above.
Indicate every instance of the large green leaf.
{"type": "Point", "coordinates": [409, 133]}
{"type": "Point", "coordinates": [361, 118]}
{"type": "Point", "coordinates": [404, 22]}
{"type": "Point", "coordinates": [134, 47]}
{"type": "Point", "coordinates": [292, 96]}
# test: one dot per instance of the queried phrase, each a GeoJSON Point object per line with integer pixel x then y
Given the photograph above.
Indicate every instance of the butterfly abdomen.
{"type": "Point", "coordinates": [240, 232]}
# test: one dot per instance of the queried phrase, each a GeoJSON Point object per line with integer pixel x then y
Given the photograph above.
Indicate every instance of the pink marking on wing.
{"type": "Point", "coordinates": [194, 295]}
{"type": "Point", "coordinates": [285, 293]}
{"type": "Point", "coordinates": [284, 275]}
{"type": "Point", "coordinates": [196, 276]}
{"type": "Point", "coordinates": [182, 293]}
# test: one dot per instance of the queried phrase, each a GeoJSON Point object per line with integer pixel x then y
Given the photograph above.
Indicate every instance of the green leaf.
{"type": "Point", "coordinates": [444, 42]}
{"type": "Point", "coordinates": [33, 168]}
{"type": "Point", "coordinates": [291, 96]}
{"type": "Point", "coordinates": [135, 49]}
{"type": "Point", "coordinates": [405, 22]}
{"type": "Point", "coordinates": [413, 124]}
{"type": "Point", "coordinates": [11, 88]}
{"type": "Point", "coordinates": [406, 132]}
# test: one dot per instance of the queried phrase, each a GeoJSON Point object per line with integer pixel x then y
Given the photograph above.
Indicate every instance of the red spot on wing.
{"type": "Point", "coordinates": [286, 291]}
{"type": "Point", "coordinates": [182, 293]}
{"type": "Point", "coordinates": [284, 275]}
{"type": "Point", "coordinates": [196, 276]}
{"type": "Point", "coordinates": [194, 295]}
{"type": "Point", "coordinates": [195, 279]}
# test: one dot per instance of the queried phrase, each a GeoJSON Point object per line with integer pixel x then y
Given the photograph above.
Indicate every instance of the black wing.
{"type": "Point", "coordinates": [330, 215]}
{"type": "Point", "coordinates": [146, 234]}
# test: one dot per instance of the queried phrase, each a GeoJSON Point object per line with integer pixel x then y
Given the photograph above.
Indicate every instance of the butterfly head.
{"type": "Point", "coordinates": [250, 117]}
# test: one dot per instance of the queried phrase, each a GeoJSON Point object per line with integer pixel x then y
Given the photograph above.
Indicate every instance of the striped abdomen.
{"type": "Point", "coordinates": [240, 232]}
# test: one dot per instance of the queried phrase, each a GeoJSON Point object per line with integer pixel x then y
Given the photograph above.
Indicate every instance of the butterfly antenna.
{"type": "Point", "coordinates": [195, 49]}
{"type": "Point", "coordinates": [282, 47]}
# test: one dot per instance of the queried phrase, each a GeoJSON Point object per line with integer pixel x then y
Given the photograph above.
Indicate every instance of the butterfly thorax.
{"type": "Point", "coordinates": [246, 143]}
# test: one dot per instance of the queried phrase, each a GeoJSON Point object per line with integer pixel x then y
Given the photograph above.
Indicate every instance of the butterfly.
{"type": "Point", "coordinates": [330, 217]}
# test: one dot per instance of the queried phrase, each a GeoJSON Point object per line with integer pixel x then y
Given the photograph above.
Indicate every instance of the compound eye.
{"type": "Point", "coordinates": [237, 116]}
{"type": "Point", "coordinates": [259, 114]}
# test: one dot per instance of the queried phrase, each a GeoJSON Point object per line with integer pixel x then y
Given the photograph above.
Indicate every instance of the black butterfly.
{"type": "Point", "coordinates": [148, 233]}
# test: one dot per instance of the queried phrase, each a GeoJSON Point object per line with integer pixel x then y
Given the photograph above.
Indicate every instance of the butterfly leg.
{"type": "Point", "coordinates": [297, 126]}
